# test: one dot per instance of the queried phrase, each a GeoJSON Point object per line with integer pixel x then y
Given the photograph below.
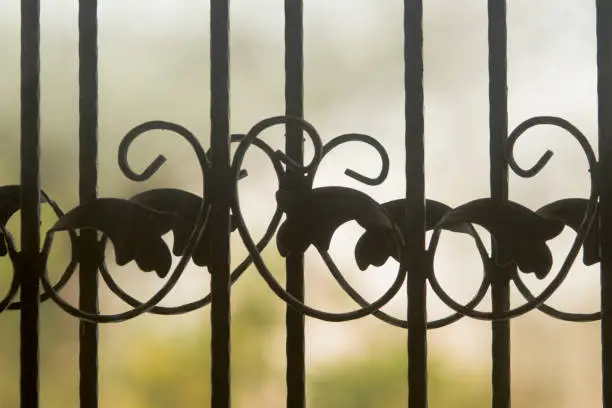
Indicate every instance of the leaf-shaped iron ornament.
{"type": "Point", "coordinates": [314, 215]}
{"type": "Point", "coordinates": [520, 234]}
{"type": "Point", "coordinates": [185, 206]}
{"type": "Point", "coordinates": [371, 249]}
{"type": "Point", "coordinates": [570, 212]}
{"type": "Point", "coordinates": [135, 231]}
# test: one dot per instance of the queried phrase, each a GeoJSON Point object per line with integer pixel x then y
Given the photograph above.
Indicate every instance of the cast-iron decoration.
{"type": "Point", "coordinates": [404, 233]}
{"type": "Point", "coordinates": [135, 228]}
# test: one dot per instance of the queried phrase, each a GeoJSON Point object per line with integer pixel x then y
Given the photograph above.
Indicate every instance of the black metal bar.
{"type": "Point", "coordinates": [604, 91]}
{"type": "Point", "coordinates": [294, 106]}
{"type": "Point", "coordinates": [498, 123]}
{"type": "Point", "coordinates": [88, 191]}
{"type": "Point", "coordinates": [219, 192]}
{"type": "Point", "coordinates": [414, 229]}
{"type": "Point", "coordinates": [30, 200]}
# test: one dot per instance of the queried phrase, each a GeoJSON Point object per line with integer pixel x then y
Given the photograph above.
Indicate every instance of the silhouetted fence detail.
{"type": "Point", "coordinates": [305, 216]}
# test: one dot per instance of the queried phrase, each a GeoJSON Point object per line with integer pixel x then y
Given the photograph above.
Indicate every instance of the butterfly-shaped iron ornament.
{"type": "Point", "coordinates": [185, 206]}
{"type": "Point", "coordinates": [135, 231]}
{"type": "Point", "coordinates": [570, 212]}
{"type": "Point", "coordinates": [372, 249]}
{"type": "Point", "coordinates": [314, 215]}
{"type": "Point", "coordinates": [520, 234]}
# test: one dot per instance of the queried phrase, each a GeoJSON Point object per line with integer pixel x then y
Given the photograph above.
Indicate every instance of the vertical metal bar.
{"type": "Point", "coordinates": [30, 200]}
{"type": "Point", "coordinates": [294, 97]}
{"type": "Point", "coordinates": [604, 91]}
{"type": "Point", "coordinates": [88, 191]}
{"type": "Point", "coordinates": [414, 229]}
{"type": "Point", "coordinates": [219, 190]}
{"type": "Point", "coordinates": [498, 123]}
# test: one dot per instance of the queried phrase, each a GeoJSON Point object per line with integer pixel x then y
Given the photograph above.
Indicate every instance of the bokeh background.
{"type": "Point", "coordinates": [154, 65]}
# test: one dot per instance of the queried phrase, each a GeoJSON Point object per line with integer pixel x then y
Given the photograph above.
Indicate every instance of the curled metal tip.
{"type": "Point", "coordinates": [370, 141]}
{"type": "Point", "coordinates": [159, 161]}
{"type": "Point", "coordinates": [364, 179]}
{"type": "Point", "coordinates": [535, 169]}
{"type": "Point", "coordinates": [541, 163]}
{"type": "Point", "coordinates": [146, 173]}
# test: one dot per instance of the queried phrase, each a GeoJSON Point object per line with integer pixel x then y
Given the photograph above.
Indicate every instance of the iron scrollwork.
{"type": "Point", "coordinates": [522, 236]}
{"type": "Point", "coordinates": [312, 215]}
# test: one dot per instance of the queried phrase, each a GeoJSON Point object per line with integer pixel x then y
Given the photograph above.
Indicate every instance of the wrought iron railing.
{"type": "Point", "coordinates": [202, 224]}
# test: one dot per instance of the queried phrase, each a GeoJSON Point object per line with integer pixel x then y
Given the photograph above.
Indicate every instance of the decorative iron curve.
{"type": "Point", "coordinates": [135, 227]}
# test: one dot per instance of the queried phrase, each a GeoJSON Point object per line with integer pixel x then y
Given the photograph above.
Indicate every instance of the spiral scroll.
{"type": "Point", "coordinates": [312, 215]}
